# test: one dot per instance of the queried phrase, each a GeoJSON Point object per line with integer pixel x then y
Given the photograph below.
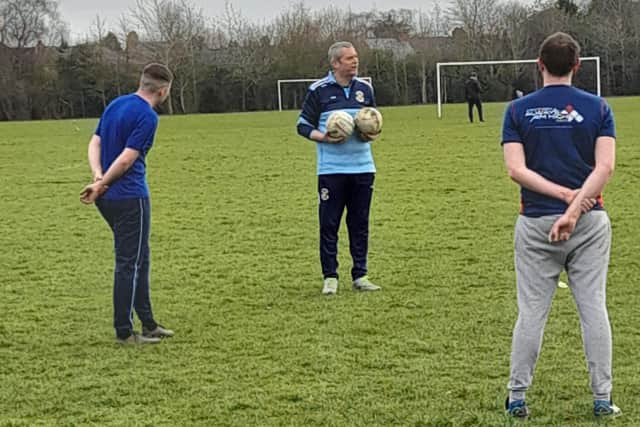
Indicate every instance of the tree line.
{"type": "Point", "coordinates": [228, 63]}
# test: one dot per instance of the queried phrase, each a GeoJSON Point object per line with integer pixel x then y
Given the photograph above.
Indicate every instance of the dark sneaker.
{"type": "Point", "coordinates": [516, 409]}
{"type": "Point", "coordinates": [136, 338]}
{"type": "Point", "coordinates": [159, 332]}
{"type": "Point", "coordinates": [605, 408]}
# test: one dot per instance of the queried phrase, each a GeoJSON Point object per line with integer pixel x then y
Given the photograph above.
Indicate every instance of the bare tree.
{"type": "Point", "coordinates": [172, 30]}
{"type": "Point", "coordinates": [425, 43]}
{"type": "Point", "coordinates": [514, 17]}
{"type": "Point", "coordinates": [25, 22]}
{"type": "Point", "coordinates": [614, 31]}
{"type": "Point", "coordinates": [394, 24]}
{"type": "Point", "coordinates": [248, 50]}
{"type": "Point", "coordinates": [4, 12]}
{"type": "Point", "coordinates": [440, 22]}
{"type": "Point", "coordinates": [480, 19]}
{"type": "Point", "coordinates": [98, 29]}
{"type": "Point", "coordinates": [334, 23]}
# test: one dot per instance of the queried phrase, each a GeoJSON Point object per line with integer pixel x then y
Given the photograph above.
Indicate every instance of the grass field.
{"type": "Point", "coordinates": [235, 272]}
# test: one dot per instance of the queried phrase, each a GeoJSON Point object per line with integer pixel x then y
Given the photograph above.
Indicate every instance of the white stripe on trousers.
{"type": "Point", "coordinates": [135, 269]}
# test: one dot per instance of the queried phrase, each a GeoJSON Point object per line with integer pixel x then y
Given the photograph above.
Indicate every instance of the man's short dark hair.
{"type": "Point", "coordinates": [154, 77]}
{"type": "Point", "coordinates": [559, 53]}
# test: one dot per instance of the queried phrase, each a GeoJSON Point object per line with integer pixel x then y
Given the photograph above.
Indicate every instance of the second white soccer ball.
{"type": "Point", "coordinates": [368, 120]}
{"type": "Point", "coordinates": [340, 124]}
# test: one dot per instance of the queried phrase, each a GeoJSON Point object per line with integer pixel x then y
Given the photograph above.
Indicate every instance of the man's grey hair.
{"type": "Point", "coordinates": [334, 50]}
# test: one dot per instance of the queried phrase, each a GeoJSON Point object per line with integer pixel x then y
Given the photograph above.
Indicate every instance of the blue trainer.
{"type": "Point", "coordinates": [605, 408]}
{"type": "Point", "coordinates": [517, 408]}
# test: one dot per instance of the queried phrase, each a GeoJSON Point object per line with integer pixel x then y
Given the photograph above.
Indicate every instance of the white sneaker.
{"type": "Point", "coordinates": [364, 284]}
{"type": "Point", "coordinates": [330, 286]}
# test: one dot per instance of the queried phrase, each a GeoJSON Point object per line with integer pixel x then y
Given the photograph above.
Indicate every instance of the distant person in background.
{"type": "Point", "coordinates": [472, 94]}
{"type": "Point", "coordinates": [121, 142]}
{"type": "Point", "coordinates": [559, 146]}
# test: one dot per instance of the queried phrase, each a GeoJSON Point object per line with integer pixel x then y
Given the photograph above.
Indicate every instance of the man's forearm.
{"type": "Point", "coordinates": [591, 188]}
{"type": "Point", "coordinates": [317, 136]}
{"type": "Point", "coordinates": [536, 182]}
{"type": "Point", "coordinates": [118, 168]}
{"type": "Point", "coordinates": [605, 155]}
{"type": "Point", "coordinates": [94, 156]}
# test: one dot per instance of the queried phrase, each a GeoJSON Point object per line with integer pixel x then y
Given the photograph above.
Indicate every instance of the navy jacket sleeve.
{"type": "Point", "coordinates": [310, 114]}
{"type": "Point", "coordinates": [373, 98]}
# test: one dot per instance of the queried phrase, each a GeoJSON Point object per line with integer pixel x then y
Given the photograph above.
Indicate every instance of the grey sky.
{"type": "Point", "coordinates": [81, 14]}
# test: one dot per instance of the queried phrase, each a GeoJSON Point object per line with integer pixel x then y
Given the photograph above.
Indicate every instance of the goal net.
{"type": "Point", "coordinates": [291, 92]}
{"type": "Point", "coordinates": [505, 80]}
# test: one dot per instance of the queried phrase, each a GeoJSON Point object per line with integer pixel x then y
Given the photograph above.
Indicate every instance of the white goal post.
{"type": "Point", "coordinates": [280, 82]}
{"type": "Point", "coordinates": [514, 61]}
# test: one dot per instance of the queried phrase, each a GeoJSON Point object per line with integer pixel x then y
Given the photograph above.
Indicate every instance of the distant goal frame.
{"type": "Point", "coordinates": [511, 61]}
{"type": "Point", "coordinates": [280, 81]}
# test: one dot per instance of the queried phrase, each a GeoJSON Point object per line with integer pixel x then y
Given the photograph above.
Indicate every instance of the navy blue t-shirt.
{"type": "Point", "coordinates": [558, 126]}
{"type": "Point", "coordinates": [128, 122]}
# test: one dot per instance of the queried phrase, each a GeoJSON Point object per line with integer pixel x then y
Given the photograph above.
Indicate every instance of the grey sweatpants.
{"type": "Point", "coordinates": [585, 256]}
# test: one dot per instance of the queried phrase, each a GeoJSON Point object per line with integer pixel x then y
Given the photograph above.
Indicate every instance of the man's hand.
{"type": "Point", "coordinates": [333, 140]}
{"type": "Point", "coordinates": [585, 206]}
{"type": "Point", "coordinates": [92, 192]}
{"type": "Point", "coordinates": [563, 227]}
{"type": "Point", "coordinates": [367, 137]}
{"type": "Point", "coordinates": [569, 195]}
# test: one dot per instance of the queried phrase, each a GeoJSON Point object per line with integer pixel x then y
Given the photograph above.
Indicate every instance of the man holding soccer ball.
{"type": "Point", "coordinates": [559, 145]}
{"type": "Point", "coordinates": [345, 164]}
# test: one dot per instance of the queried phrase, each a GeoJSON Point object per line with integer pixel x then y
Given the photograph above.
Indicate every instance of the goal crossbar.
{"type": "Point", "coordinates": [301, 81]}
{"type": "Point", "coordinates": [509, 61]}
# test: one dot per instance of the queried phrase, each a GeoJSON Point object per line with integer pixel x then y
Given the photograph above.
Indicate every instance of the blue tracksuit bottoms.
{"type": "Point", "coordinates": [130, 221]}
{"type": "Point", "coordinates": [337, 192]}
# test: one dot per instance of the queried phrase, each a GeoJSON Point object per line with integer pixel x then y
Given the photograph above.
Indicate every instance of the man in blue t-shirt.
{"type": "Point", "coordinates": [345, 165]}
{"type": "Point", "coordinates": [559, 145]}
{"type": "Point", "coordinates": [120, 145]}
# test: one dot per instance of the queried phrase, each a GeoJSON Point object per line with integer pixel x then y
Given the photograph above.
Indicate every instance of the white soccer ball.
{"type": "Point", "coordinates": [340, 124]}
{"type": "Point", "coordinates": [368, 121]}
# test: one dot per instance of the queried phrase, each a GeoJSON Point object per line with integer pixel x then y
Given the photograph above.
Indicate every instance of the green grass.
{"type": "Point", "coordinates": [235, 271]}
